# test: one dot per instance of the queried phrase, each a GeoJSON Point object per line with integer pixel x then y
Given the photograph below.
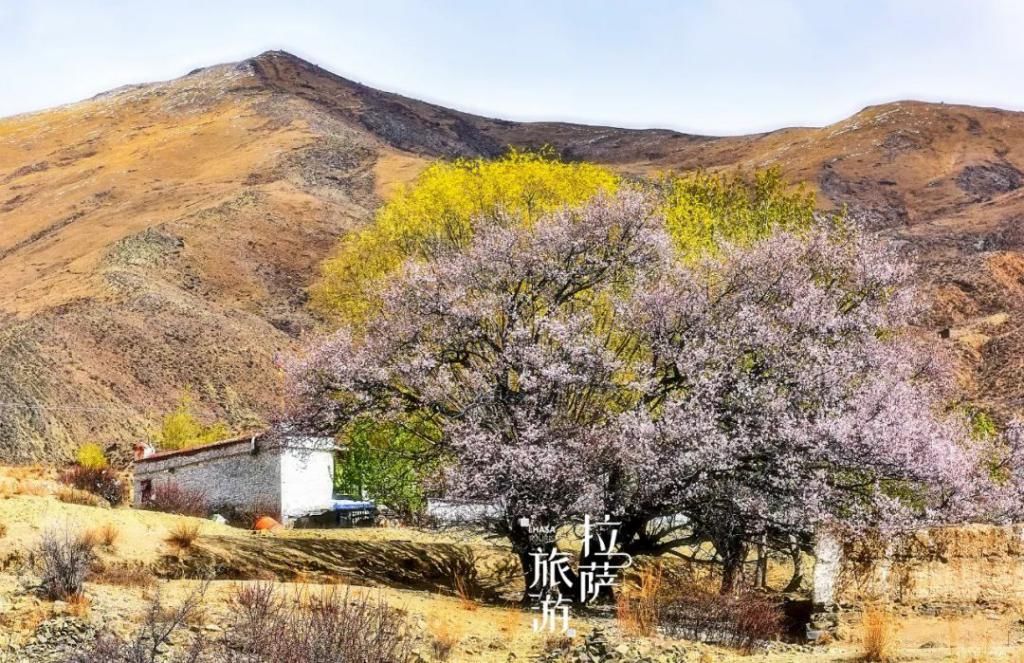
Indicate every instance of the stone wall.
{"type": "Point", "coordinates": [953, 569]}
{"type": "Point", "coordinates": [241, 473]}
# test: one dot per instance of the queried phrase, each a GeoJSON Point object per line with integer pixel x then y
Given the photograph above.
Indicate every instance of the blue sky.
{"type": "Point", "coordinates": [715, 67]}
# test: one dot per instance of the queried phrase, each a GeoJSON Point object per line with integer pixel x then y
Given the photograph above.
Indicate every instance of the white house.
{"type": "Point", "coordinates": [287, 476]}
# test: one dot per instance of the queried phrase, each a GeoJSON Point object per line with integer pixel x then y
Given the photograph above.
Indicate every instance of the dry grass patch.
{"type": "Point", "coordinates": [463, 589]}
{"type": "Point", "coordinates": [638, 606]}
{"type": "Point", "coordinates": [183, 535]}
{"type": "Point", "coordinates": [108, 535]}
{"type": "Point", "coordinates": [125, 574]}
{"type": "Point", "coordinates": [878, 634]}
{"type": "Point", "coordinates": [71, 495]}
{"type": "Point", "coordinates": [444, 637]}
{"type": "Point", "coordinates": [78, 605]}
{"type": "Point", "coordinates": [32, 488]}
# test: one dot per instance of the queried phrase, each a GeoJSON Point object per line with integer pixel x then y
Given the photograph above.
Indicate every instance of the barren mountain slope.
{"type": "Point", "coordinates": [162, 236]}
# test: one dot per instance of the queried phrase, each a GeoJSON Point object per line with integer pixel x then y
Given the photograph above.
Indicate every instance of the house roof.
{"type": "Point", "coordinates": [191, 451]}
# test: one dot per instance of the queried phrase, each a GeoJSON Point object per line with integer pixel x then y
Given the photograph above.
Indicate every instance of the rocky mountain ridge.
{"type": "Point", "coordinates": [162, 236]}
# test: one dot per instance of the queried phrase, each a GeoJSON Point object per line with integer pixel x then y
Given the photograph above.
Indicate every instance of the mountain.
{"type": "Point", "coordinates": [162, 236]}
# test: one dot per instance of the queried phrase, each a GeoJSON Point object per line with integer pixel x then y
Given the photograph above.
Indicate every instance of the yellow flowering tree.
{"type": "Point", "coordinates": [702, 210]}
{"type": "Point", "coordinates": [440, 210]}
{"type": "Point", "coordinates": [181, 428]}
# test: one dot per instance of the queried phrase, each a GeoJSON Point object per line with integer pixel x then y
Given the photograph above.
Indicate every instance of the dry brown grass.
{"type": "Point", "coordinates": [78, 605]}
{"type": "Point", "coordinates": [878, 634]}
{"type": "Point", "coordinates": [108, 535]}
{"type": "Point", "coordinates": [444, 637]}
{"type": "Point", "coordinates": [32, 488]}
{"type": "Point", "coordinates": [463, 589]}
{"type": "Point", "coordinates": [3, 530]}
{"type": "Point", "coordinates": [124, 574]}
{"type": "Point", "coordinates": [75, 496]}
{"type": "Point", "coordinates": [637, 606]}
{"type": "Point", "coordinates": [183, 535]}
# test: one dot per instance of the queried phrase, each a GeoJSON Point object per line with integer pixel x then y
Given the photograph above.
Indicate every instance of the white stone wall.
{"type": "Point", "coordinates": [454, 512]}
{"type": "Point", "coordinates": [240, 474]}
{"type": "Point", "coordinates": [307, 480]}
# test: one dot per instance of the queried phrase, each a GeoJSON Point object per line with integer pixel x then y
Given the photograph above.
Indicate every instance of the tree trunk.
{"type": "Point", "coordinates": [761, 574]}
{"type": "Point", "coordinates": [798, 569]}
{"type": "Point", "coordinates": [733, 553]}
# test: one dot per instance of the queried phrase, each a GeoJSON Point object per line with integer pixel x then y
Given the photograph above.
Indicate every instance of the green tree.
{"type": "Point", "coordinates": [389, 462]}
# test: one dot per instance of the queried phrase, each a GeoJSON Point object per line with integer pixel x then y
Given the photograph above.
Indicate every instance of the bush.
{"type": "Point", "coordinates": [327, 627]}
{"type": "Point", "coordinates": [91, 457]}
{"type": "Point", "coordinates": [102, 481]}
{"type": "Point", "coordinates": [174, 498]}
{"type": "Point", "coordinates": [149, 642]}
{"type": "Point", "coordinates": [62, 560]}
{"type": "Point", "coordinates": [741, 621]}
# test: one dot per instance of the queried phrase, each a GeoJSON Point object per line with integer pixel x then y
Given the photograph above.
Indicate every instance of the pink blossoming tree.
{"type": "Point", "coordinates": [577, 366]}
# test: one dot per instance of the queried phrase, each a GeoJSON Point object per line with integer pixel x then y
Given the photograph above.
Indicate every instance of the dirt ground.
{"type": "Point", "coordinates": [410, 569]}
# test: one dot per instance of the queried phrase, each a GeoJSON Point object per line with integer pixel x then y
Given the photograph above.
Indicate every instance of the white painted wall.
{"type": "Point", "coordinates": [307, 480]}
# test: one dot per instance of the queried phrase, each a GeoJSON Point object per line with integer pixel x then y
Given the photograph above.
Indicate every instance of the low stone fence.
{"type": "Point", "coordinates": [933, 571]}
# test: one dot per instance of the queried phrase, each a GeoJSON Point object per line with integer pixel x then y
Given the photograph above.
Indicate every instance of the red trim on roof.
{"type": "Point", "coordinates": [191, 451]}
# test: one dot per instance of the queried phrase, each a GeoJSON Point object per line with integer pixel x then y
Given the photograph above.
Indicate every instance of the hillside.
{"type": "Point", "coordinates": [162, 236]}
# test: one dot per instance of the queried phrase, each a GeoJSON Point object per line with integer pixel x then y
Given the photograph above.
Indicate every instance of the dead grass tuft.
{"type": "Point", "coordinates": [108, 535]}
{"type": "Point", "coordinates": [183, 535]}
{"type": "Point", "coordinates": [638, 606]}
{"type": "Point", "coordinates": [78, 605]}
{"type": "Point", "coordinates": [464, 590]}
{"type": "Point", "coordinates": [444, 637]}
{"type": "Point", "coordinates": [71, 495]}
{"type": "Point", "coordinates": [878, 636]}
{"type": "Point", "coordinates": [124, 574]}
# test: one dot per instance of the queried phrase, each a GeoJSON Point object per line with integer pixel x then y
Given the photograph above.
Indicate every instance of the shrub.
{"type": "Point", "coordinates": [183, 535]}
{"type": "Point", "coordinates": [149, 642]}
{"type": "Point", "coordinates": [741, 620]}
{"type": "Point", "coordinates": [62, 560]}
{"type": "Point", "coordinates": [104, 482]}
{"type": "Point", "coordinates": [879, 635]}
{"type": "Point", "coordinates": [174, 498]}
{"type": "Point", "coordinates": [90, 456]}
{"type": "Point", "coordinates": [327, 627]}
{"type": "Point", "coordinates": [3, 530]}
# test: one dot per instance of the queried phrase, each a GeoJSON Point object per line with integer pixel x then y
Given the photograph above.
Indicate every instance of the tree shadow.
{"type": "Point", "coordinates": [430, 567]}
